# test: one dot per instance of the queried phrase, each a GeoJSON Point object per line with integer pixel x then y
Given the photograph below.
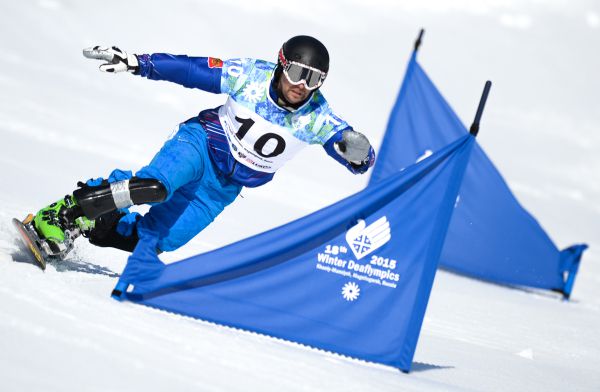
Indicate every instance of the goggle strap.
{"type": "Point", "coordinates": [285, 63]}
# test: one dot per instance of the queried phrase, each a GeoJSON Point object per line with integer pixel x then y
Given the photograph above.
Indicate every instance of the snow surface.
{"type": "Point", "coordinates": [62, 121]}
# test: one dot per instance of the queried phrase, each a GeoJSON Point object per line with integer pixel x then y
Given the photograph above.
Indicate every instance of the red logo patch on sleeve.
{"type": "Point", "coordinates": [214, 62]}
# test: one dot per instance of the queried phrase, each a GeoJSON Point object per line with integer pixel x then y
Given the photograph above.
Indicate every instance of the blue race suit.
{"type": "Point", "coordinates": [241, 143]}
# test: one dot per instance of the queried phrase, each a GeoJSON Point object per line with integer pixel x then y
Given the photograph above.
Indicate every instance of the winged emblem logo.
{"type": "Point", "coordinates": [365, 239]}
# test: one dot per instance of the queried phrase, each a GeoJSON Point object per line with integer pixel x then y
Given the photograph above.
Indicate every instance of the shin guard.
{"type": "Point", "coordinates": [106, 197]}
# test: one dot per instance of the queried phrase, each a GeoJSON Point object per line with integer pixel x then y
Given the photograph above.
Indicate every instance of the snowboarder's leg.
{"type": "Point", "coordinates": [181, 161]}
{"type": "Point", "coordinates": [191, 204]}
{"type": "Point", "coordinates": [76, 213]}
{"type": "Point", "coordinates": [176, 221]}
{"type": "Point", "coordinates": [195, 204]}
{"type": "Point", "coordinates": [191, 209]}
{"type": "Point", "coordinates": [115, 229]}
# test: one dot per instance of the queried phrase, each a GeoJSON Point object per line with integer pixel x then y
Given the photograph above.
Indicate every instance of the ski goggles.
{"type": "Point", "coordinates": [297, 73]}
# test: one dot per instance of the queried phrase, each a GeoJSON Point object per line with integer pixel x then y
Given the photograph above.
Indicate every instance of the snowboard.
{"type": "Point", "coordinates": [30, 239]}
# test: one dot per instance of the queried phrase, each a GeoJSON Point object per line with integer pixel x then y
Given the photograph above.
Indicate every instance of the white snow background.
{"type": "Point", "coordinates": [61, 120]}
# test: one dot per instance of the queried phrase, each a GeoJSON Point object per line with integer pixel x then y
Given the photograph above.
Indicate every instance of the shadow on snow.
{"type": "Point", "coordinates": [22, 255]}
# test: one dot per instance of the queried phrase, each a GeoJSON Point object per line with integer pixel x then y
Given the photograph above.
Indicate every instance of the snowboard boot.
{"type": "Point", "coordinates": [59, 224]}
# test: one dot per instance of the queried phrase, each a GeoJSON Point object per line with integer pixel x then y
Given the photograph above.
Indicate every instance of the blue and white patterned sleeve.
{"type": "Point", "coordinates": [329, 125]}
{"type": "Point", "coordinates": [331, 132]}
{"type": "Point", "coordinates": [235, 73]}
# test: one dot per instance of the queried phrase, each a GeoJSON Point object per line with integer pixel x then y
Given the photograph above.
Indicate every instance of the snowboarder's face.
{"type": "Point", "coordinates": [293, 93]}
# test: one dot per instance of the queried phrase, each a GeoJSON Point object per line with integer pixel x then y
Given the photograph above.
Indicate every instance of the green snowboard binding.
{"type": "Point", "coordinates": [58, 225]}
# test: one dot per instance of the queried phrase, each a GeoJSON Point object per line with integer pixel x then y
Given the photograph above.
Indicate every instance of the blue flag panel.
{"type": "Point", "coordinates": [353, 278]}
{"type": "Point", "coordinates": [491, 236]}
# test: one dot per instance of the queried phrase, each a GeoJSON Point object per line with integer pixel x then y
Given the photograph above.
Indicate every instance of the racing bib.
{"type": "Point", "coordinates": [255, 142]}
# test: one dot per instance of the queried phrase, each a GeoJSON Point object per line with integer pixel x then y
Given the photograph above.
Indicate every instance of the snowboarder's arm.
{"type": "Point", "coordinates": [352, 149]}
{"type": "Point", "coordinates": [341, 142]}
{"type": "Point", "coordinates": [193, 72]}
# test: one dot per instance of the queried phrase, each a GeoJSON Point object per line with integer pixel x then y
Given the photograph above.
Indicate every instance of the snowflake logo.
{"type": "Point", "coordinates": [254, 92]}
{"type": "Point", "coordinates": [350, 291]}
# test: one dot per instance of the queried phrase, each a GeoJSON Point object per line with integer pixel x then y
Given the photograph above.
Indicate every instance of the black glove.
{"type": "Point", "coordinates": [118, 60]}
{"type": "Point", "coordinates": [360, 168]}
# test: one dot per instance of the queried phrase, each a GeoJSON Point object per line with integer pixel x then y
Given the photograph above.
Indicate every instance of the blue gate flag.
{"type": "Point", "coordinates": [353, 278]}
{"type": "Point", "coordinates": [491, 236]}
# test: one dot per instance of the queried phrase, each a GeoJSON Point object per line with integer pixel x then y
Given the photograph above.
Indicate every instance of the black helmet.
{"type": "Point", "coordinates": [305, 50]}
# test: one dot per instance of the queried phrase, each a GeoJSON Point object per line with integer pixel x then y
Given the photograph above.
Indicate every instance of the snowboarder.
{"type": "Point", "coordinates": [273, 111]}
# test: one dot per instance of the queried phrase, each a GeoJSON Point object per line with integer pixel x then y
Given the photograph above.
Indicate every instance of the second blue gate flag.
{"type": "Point", "coordinates": [491, 236]}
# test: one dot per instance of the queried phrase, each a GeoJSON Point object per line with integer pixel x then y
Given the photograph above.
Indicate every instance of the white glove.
{"type": "Point", "coordinates": [354, 147]}
{"type": "Point", "coordinates": [118, 60]}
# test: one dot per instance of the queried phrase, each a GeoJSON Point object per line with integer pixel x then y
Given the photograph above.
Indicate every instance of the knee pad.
{"type": "Point", "coordinates": [106, 197]}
